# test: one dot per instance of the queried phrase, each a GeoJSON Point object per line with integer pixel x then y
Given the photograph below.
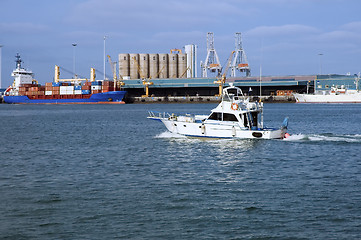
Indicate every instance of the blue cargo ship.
{"type": "Point", "coordinates": [62, 91]}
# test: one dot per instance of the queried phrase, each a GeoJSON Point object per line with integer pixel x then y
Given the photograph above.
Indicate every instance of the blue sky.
{"type": "Point", "coordinates": [284, 36]}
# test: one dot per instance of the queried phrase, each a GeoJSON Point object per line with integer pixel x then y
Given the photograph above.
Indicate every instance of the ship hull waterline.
{"type": "Point", "coordinates": [206, 130]}
{"type": "Point", "coordinates": [115, 97]}
{"type": "Point", "coordinates": [310, 98]}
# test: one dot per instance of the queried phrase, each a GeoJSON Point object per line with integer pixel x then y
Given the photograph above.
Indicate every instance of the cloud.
{"type": "Point", "coordinates": [281, 31]}
{"type": "Point", "coordinates": [23, 28]}
{"type": "Point", "coordinates": [352, 26]}
{"type": "Point", "coordinates": [153, 15]}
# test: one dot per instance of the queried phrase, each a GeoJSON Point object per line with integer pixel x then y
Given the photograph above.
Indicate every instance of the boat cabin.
{"type": "Point", "coordinates": [236, 108]}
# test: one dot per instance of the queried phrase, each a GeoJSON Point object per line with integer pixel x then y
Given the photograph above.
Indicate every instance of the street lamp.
{"type": "Point", "coordinates": [74, 45]}
{"type": "Point", "coordinates": [104, 58]}
{"type": "Point", "coordinates": [320, 54]}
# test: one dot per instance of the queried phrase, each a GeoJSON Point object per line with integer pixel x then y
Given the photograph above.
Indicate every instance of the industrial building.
{"type": "Point", "coordinates": [175, 73]}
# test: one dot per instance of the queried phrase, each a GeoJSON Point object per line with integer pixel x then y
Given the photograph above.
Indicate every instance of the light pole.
{"type": "Point", "coordinates": [0, 66]}
{"type": "Point", "coordinates": [104, 58]}
{"type": "Point", "coordinates": [74, 45]}
{"type": "Point", "coordinates": [320, 54]}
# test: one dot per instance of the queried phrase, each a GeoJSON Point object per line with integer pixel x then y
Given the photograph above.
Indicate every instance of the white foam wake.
{"type": "Point", "coordinates": [325, 138]}
{"type": "Point", "coordinates": [168, 134]}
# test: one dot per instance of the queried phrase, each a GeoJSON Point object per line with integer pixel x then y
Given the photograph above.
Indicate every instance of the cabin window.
{"type": "Point", "coordinates": [226, 117]}
{"type": "Point", "coordinates": [229, 117]}
{"type": "Point", "coordinates": [216, 116]}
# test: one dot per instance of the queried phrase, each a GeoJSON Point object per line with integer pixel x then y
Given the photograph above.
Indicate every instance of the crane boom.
{"type": "Point", "coordinates": [146, 82]}
{"type": "Point", "coordinates": [220, 81]}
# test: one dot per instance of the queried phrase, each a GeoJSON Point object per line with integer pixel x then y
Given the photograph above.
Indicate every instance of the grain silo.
{"type": "Point", "coordinates": [173, 65]}
{"type": "Point", "coordinates": [153, 65]}
{"type": "Point", "coordinates": [124, 64]}
{"type": "Point", "coordinates": [163, 65]}
{"type": "Point", "coordinates": [144, 65]}
{"type": "Point", "coordinates": [182, 65]}
{"type": "Point", "coordinates": [133, 65]}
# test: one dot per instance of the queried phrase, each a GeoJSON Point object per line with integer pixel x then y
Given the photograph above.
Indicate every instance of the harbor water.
{"type": "Point", "coordinates": [107, 172]}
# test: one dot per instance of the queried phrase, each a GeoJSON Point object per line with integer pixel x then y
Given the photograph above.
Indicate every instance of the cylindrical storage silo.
{"type": "Point", "coordinates": [163, 65]}
{"type": "Point", "coordinates": [153, 65]}
{"type": "Point", "coordinates": [124, 64]}
{"type": "Point", "coordinates": [144, 65]}
{"type": "Point", "coordinates": [182, 65]}
{"type": "Point", "coordinates": [173, 65]}
{"type": "Point", "coordinates": [133, 65]}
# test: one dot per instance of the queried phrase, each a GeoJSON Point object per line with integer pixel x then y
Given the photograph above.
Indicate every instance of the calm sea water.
{"type": "Point", "coordinates": [106, 172]}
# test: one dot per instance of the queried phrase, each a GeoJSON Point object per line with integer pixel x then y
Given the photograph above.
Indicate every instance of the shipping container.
{"type": "Point", "coordinates": [96, 83]}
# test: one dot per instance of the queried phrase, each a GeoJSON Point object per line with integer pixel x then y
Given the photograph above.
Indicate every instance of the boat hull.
{"type": "Point", "coordinates": [342, 98]}
{"type": "Point", "coordinates": [210, 130]}
{"type": "Point", "coordinates": [108, 97]}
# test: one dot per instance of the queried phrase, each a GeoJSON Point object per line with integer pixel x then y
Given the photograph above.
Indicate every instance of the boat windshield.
{"type": "Point", "coordinates": [223, 117]}
{"type": "Point", "coordinates": [232, 94]}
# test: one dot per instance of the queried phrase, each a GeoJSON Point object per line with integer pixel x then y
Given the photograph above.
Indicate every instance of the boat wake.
{"type": "Point", "coordinates": [168, 134]}
{"type": "Point", "coordinates": [327, 137]}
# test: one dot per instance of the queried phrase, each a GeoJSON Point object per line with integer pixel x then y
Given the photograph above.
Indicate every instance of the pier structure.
{"type": "Point", "coordinates": [204, 88]}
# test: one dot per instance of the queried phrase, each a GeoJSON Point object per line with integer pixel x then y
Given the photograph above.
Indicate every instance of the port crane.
{"type": "Point", "coordinates": [57, 76]}
{"type": "Point", "coordinates": [176, 51]}
{"type": "Point", "coordinates": [239, 62]}
{"type": "Point", "coordinates": [146, 82]}
{"type": "Point", "coordinates": [212, 61]}
{"type": "Point", "coordinates": [222, 79]}
{"type": "Point", "coordinates": [113, 66]}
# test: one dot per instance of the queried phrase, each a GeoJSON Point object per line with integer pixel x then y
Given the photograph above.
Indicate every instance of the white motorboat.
{"type": "Point", "coordinates": [235, 117]}
{"type": "Point", "coordinates": [335, 95]}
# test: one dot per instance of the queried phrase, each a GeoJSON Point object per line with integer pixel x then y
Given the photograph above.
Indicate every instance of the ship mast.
{"type": "Point", "coordinates": [18, 61]}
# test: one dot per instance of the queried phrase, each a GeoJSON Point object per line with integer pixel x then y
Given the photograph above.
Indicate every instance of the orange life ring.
{"type": "Point", "coordinates": [234, 106]}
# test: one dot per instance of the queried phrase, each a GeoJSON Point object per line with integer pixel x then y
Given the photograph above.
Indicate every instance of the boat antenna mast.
{"type": "Point", "coordinates": [212, 61]}
{"type": "Point", "coordinates": [240, 61]}
{"type": "Point", "coordinates": [18, 61]}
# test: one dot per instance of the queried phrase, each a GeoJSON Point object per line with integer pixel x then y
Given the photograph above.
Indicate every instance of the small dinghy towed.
{"type": "Point", "coordinates": [235, 117]}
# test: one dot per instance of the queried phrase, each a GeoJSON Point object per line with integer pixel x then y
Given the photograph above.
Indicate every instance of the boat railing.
{"type": "Point", "coordinates": [182, 117]}
{"type": "Point", "coordinates": [156, 114]}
